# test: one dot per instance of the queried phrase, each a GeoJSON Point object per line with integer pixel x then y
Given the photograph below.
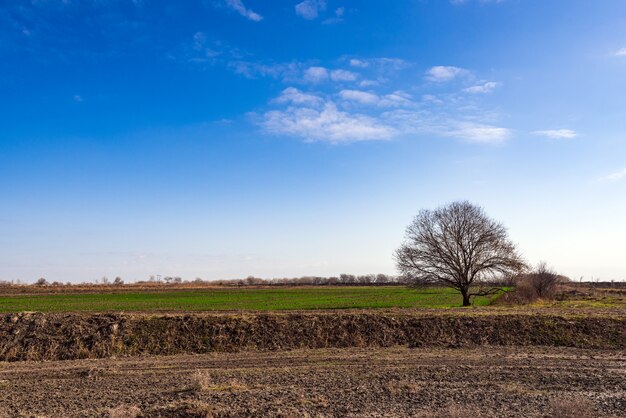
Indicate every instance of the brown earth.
{"type": "Point", "coordinates": [398, 381]}
{"type": "Point", "coordinates": [63, 336]}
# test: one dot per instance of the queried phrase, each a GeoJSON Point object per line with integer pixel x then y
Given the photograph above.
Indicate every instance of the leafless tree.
{"type": "Point", "coordinates": [41, 282]}
{"type": "Point", "coordinates": [544, 281]}
{"type": "Point", "coordinates": [457, 246]}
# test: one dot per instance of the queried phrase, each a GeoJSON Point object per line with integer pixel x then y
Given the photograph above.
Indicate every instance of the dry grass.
{"type": "Point", "coordinates": [454, 411]}
{"type": "Point", "coordinates": [184, 409]}
{"type": "Point", "coordinates": [202, 381]}
{"type": "Point", "coordinates": [398, 387]}
{"type": "Point", "coordinates": [124, 411]}
{"type": "Point", "coordinates": [579, 407]}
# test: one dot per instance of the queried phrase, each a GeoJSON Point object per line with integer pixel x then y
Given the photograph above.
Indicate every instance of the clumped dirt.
{"type": "Point", "coordinates": [396, 381]}
{"type": "Point", "coordinates": [64, 336]}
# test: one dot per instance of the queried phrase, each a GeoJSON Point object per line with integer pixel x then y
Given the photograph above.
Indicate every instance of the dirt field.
{"type": "Point", "coordinates": [529, 382]}
{"type": "Point", "coordinates": [563, 358]}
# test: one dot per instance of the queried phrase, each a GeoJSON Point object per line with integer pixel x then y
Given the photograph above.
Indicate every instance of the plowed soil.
{"type": "Point", "coordinates": [397, 381]}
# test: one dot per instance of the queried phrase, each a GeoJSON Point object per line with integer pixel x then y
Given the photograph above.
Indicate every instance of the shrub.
{"type": "Point", "coordinates": [544, 281]}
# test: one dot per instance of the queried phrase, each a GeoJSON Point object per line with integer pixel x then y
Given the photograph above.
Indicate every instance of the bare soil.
{"type": "Point", "coordinates": [397, 381]}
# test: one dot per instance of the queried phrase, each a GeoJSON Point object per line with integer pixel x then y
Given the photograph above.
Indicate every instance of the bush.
{"type": "Point", "coordinates": [541, 283]}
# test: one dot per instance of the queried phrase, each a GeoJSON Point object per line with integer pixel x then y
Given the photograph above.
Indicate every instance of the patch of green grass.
{"type": "Point", "coordinates": [293, 298]}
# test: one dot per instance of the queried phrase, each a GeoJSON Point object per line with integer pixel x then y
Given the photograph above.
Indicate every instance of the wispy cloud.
{"type": "Point", "coordinates": [621, 52]}
{"type": "Point", "coordinates": [343, 75]}
{"type": "Point", "coordinates": [355, 115]}
{"type": "Point", "coordinates": [479, 133]}
{"type": "Point", "coordinates": [428, 121]}
{"type": "Point", "coordinates": [335, 104]}
{"type": "Point", "coordinates": [482, 88]}
{"type": "Point", "coordinates": [295, 96]}
{"type": "Point", "coordinates": [359, 63]}
{"type": "Point", "coordinates": [325, 124]}
{"type": "Point", "coordinates": [309, 9]}
{"type": "Point", "coordinates": [238, 6]}
{"type": "Point", "coordinates": [316, 75]}
{"type": "Point", "coordinates": [78, 98]}
{"type": "Point", "coordinates": [557, 133]}
{"type": "Point", "coordinates": [441, 73]}
{"type": "Point", "coordinates": [394, 99]}
{"type": "Point", "coordinates": [338, 18]}
{"type": "Point", "coordinates": [617, 176]}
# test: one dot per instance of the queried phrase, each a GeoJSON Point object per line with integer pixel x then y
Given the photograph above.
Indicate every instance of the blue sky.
{"type": "Point", "coordinates": [227, 138]}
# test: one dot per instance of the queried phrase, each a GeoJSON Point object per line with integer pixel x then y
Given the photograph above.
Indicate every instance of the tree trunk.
{"type": "Point", "coordinates": [466, 298]}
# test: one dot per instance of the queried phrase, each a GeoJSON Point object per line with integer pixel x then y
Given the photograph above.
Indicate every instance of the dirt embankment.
{"type": "Point", "coordinates": [61, 336]}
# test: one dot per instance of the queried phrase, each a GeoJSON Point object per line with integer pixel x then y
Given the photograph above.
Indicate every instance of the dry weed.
{"type": "Point", "coordinates": [124, 411]}
{"type": "Point", "coordinates": [397, 387]}
{"type": "Point", "coordinates": [202, 381]}
{"type": "Point", "coordinates": [579, 407]}
{"type": "Point", "coordinates": [184, 409]}
{"type": "Point", "coordinates": [453, 411]}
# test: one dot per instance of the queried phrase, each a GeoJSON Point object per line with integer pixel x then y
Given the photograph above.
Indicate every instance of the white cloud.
{"type": "Point", "coordinates": [442, 73]}
{"type": "Point", "coordinates": [239, 7]}
{"type": "Point", "coordinates": [486, 87]}
{"type": "Point", "coordinates": [369, 83]}
{"type": "Point", "coordinates": [338, 18]}
{"type": "Point", "coordinates": [479, 133]}
{"type": "Point", "coordinates": [286, 71]}
{"type": "Point", "coordinates": [294, 96]}
{"type": "Point", "coordinates": [326, 124]}
{"type": "Point", "coordinates": [557, 133]}
{"type": "Point", "coordinates": [621, 52]}
{"type": "Point", "coordinates": [617, 176]}
{"type": "Point", "coordinates": [78, 98]}
{"type": "Point", "coordinates": [397, 98]}
{"type": "Point", "coordinates": [309, 9]}
{"type": "Point", "coordinates": [359, 96]}
{"type": "Point", "coordinates": [343, 75]}
{"type": "Point", "coordinates": [315, 74]}
{"type": "Point", "coordinates": [427, 122]}
{"type": "Point", "coordinates": [359, 63]}
{"type": "Point", "coordinates": [337, 113]}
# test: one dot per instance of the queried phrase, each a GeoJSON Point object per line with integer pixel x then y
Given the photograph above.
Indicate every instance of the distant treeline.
{"type": "Point", "coordinates": [341, 280]}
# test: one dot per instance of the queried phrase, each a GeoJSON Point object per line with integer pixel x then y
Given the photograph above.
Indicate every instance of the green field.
{"type": "Point", "coordinates": [240, 299]}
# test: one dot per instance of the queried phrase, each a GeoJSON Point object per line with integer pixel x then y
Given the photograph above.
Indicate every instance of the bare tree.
{"type": "Point", "coordinates": [544, 281]}
{"type": "Point", "coordinates": [457, 246]}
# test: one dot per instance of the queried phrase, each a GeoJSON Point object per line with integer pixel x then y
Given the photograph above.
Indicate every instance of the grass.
{"type": "Point", "coordinates": [295, 298]}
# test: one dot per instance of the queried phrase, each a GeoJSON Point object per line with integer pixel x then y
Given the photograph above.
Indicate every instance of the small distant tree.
{"type": "Point", "coordinates": [118, 281]}
{"type": "Point", "coordinates": [543, 281]}
{"type": "Point", "coordinates": [41, 282]}
{"type": "Point", "coordinates": [457, 246]}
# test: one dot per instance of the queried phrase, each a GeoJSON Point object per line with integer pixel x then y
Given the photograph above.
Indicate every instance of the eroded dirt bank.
{"type": "Point", "coordinates": [64, 336]}
{"type": "Point", "coordinates": [396, 381]}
